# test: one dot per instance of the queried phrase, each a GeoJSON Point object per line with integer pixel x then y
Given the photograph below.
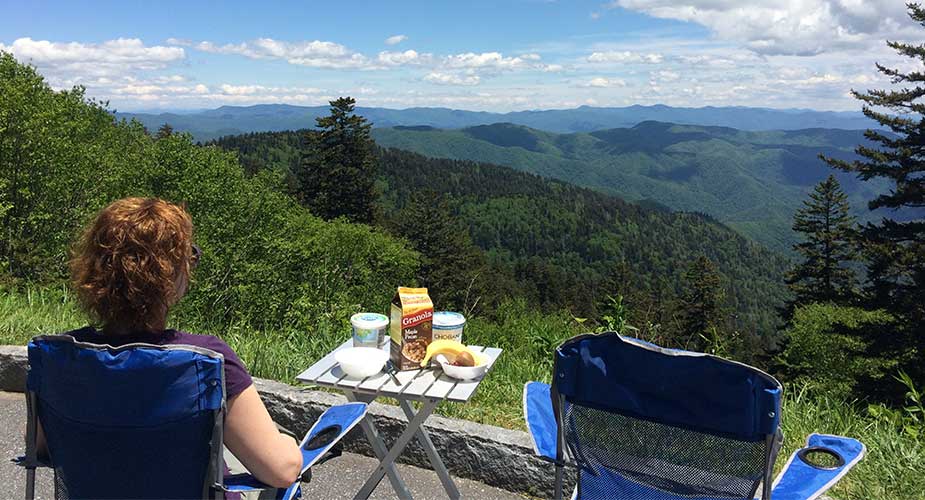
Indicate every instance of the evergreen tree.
{"type": "Point", "coordinates": [701, 304]}
{"type": "Point", "coordinates": [337, 173]}
{"type": "Point", "coordinates": [164, 131]}
{"type": "Point", "coordinates": [894, 248]}
{"type": "Point", "coordinates": [450, 262]}
{"type": "Point", "coordinates": [828, 231]}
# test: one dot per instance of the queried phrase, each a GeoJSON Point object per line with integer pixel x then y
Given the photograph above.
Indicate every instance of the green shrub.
{"type": "Point", "coordinates": [267, 264]}
{"type": "Point", "coordinates": [821, 350]}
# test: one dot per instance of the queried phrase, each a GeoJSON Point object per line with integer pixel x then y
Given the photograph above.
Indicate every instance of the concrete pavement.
{"type": "Point", "coordinates": [336, 479]}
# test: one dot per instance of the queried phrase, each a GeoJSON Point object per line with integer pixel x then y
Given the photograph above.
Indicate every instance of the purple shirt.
{"type": "Point", "coordinates": [236, 376]}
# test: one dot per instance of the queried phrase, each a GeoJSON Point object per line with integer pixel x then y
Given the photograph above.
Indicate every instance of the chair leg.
{"type": "Point", "coordinates": [30, 483]}
{"type": "Point", "coordinates": [560, 472]}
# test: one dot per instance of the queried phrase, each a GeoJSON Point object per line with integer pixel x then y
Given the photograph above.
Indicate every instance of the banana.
{"type": "Point", "coordinates": [444, 346]}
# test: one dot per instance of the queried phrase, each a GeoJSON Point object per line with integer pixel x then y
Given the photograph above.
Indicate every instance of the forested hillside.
{"type": "Point", "coordinates": [752, 181]}
{"type": "Point", "coordinates": [566, 246]}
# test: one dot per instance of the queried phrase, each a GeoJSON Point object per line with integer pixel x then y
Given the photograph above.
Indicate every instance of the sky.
{"type": "Point", "coordinates": [497, 55]}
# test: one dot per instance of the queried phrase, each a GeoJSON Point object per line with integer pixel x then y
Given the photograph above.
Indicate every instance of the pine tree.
{"type": "Point", "coordinates": [829, 243]}
{"type": "Point", "coordinates": [338, 169]}
{"type": "Point", "coordinates": [701, 305]}
{"type": "Point", "coordinates": [165, 130]}
{"type": "Point", "coordinates": [450, 262]}
{"type": "Point", "coordinates": [894, 248]}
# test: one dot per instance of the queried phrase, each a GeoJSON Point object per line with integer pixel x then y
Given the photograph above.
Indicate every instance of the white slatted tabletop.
{"type": "Point", "coordinates": [428, 383]}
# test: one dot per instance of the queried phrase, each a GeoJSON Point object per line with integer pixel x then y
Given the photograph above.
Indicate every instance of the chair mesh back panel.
{"type": "Point", "coordinates": [627, 458]}
{"type": "Point", "coordinates": [160, 462]}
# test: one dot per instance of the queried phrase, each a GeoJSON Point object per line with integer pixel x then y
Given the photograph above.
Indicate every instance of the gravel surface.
{"type": "Point", "coordinates": [338, 478]}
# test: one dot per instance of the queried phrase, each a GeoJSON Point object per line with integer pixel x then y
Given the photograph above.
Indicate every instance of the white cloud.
{"type": "Point", "coordinates": [484, 60]}
{"type": "Point", "coordinates": [665, 75]}
{"type": "Point", "coordinates": [625, 56]}
{"type": "Point", "coordinates": [452, 79]}
{"type": "Point", "coordinates": [315, 53]}
{"type": "Point", "coordinates": [601, 82]}
{"type": "Point", "coordinates": [495, 61]}
{"type": "Point", "coordinates": [395, 39]}
{"type": "Point", "coordinates": [112, 56]}
{"type": "Point", "coordinates": [409, 57]}
{"type": "Point", "coordinates": [323, 54]}
{"type": "Point", "coordinates": [797, 27]}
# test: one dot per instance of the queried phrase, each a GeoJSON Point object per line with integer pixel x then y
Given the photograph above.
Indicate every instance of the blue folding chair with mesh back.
{"type": "Point", "coordinates": [143, 421]}
{"type": "Point", "coordinates": [638, 421]}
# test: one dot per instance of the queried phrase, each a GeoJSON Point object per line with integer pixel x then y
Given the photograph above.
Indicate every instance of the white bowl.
{"type": "Point", "coordinates": [361, 362]}
{"type": "Point", "coordinates": [464, 372]}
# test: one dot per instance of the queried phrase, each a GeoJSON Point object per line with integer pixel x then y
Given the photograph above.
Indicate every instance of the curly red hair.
{"type": "Point", "coordinates": [126, 266]}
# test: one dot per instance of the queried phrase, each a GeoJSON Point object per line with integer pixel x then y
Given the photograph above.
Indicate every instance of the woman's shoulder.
{"type": "Point", "coordinates": [198, 340]}
{"type": "Point", "coordinates": [237, 378]}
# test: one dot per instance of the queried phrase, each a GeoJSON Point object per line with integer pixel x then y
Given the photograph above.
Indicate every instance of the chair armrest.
{"type": "Point", "coordinates": [801, 480]}
{"type": "Point", "coordinates": [328, 430]}
{"type": "Point", "coordinates": [541, 420]}
{"type": "Point", "coordinates": [324, 434]}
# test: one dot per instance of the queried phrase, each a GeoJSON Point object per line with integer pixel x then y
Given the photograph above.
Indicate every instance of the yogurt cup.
{"type": "Point", "coordinates": [369, 329]}
{"type": "Point", "coordinates": [449, 325]}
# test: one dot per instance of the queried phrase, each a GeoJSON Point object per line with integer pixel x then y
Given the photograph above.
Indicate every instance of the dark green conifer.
{"type": "Point", "coordinates": [894, 247]}
{"type": "Point", "coordinates": [828, 231]}
{"type": "Point", "coordinates": [337, 173]}
{"type": "Point", "coordinates": [702, 304]}
{"type": "Point", "coordinates": [165, 130]}
{"type": "Point", "coordinates": [450, 262]}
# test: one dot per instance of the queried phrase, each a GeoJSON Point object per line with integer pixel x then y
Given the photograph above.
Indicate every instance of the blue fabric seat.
{"type": "Point", "coordinates": [638, 421]}
{"type": "Point", "coordinates": [141, 421]}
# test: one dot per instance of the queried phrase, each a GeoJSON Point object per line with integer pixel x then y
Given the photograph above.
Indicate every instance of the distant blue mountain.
{"type": "Point", "coordinates": [229, 120]}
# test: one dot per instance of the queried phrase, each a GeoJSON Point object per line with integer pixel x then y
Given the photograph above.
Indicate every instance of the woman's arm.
{"type": "Point", "coordinates": [251, 435]}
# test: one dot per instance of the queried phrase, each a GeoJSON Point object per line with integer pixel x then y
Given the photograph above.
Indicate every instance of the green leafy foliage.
{"type": "Point", "coordinates": [822, 349]}
{"type": "Point", "coordinates": [909, 419]}
{"type": "Point", "coordinates": [267, 263]}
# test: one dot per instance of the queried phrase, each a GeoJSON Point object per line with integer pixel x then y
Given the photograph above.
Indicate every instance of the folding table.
{"type": "Point", "coordinates": [429, 386]}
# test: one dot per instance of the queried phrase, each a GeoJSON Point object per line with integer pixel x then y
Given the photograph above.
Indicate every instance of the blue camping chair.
{"type": "Point", "coordinates": [639, 421]}
{"type": "Point", "coordinates": [143, 421]}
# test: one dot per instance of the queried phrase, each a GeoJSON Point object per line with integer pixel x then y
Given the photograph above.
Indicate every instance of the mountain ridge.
{"type": "Point", "coordinates": [230, 119]}
{"type": "Point", "coordinates": [752, 181]}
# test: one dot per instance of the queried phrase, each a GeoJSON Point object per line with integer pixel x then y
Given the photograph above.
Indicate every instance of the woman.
{"type": "Point", "coordinates": [129, 268]}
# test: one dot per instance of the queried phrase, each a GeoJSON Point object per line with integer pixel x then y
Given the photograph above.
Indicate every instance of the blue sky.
{"type": "Point", "coordinates": [482, 55]}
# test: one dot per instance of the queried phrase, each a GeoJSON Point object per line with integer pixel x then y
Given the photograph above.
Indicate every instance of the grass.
{"type": "Point", "coordinates": [893, 469]}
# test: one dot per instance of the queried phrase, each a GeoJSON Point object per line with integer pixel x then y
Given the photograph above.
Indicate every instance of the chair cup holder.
{"type": "Point", "coordinates": [323, 437]}
{"type": "Point", "coordinates": [804, 456]}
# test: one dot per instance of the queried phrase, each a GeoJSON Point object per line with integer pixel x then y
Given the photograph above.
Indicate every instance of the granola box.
{"type": "Point", "coordinates": [411, 327]}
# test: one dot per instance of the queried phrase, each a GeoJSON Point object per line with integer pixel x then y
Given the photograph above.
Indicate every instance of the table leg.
{"type": "Point", "coordinates": [380, 450]}
{"type": "Point", "coordinates": [432, 454]}
{"type": "Point", "coordinates": [413, 427]}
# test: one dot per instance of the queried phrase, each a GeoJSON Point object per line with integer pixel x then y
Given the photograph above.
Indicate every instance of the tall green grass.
{"type": "Point", "coordinates": [893, 469]}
